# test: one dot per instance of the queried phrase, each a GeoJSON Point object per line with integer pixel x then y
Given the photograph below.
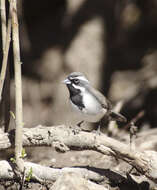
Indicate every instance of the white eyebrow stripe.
{"type": "Point", "coordinates": [82, 78]}
{"type": "Point", "coordinates": [79, 87]}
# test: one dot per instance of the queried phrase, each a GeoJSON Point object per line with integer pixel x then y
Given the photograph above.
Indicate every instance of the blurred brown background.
{"type": "Point", "coordinates": [112, 42]}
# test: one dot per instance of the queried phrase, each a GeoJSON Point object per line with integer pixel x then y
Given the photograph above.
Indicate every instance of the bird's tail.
{"type": "Point", "coordinates": [117, 117]}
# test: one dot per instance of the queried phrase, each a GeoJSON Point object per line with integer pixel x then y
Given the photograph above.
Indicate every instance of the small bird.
{"type": "Point", "coordinates": [89, 104]}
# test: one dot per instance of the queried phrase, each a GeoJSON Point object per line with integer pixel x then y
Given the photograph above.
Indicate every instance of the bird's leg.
{"type": "Point", "coordinates": [98, 131]}
{"type": "Point", "coordinates": [77, 127]}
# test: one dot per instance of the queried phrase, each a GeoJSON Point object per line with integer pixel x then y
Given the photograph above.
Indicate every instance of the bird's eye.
{"type": "Point", "coordinates": [76, 81]}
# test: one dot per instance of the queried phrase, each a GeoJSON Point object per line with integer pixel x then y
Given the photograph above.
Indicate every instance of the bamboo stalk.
{"type": "Point", "coordinates": [18, 85]}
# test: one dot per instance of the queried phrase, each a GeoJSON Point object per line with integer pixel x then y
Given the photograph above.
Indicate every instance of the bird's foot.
{"type": "Point", "coordinates": [76, 129]}
{"type": "Point", "coordinates": [98, 131]}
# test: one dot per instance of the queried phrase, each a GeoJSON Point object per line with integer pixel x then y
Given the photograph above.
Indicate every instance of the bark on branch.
{"type": "Point", "coordinates": [18, 86]}
{"type": "Point", "coordinates": [45, 173]}
{"type": "Point", "coordinates": [6, 33]}
{"type": "Point", "coordinates": [65, 139]}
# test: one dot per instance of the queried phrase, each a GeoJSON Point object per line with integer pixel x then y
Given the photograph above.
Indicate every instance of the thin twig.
{"type": "Point", "coordinates": [3, 22]}
{"type": "Point", "coordinates": [18, 86]}
{"type": "Point", "coordinates": [135, 119]}
{"type": "Point", "coordinates": [6, 44]}
{"type": "Point", "coordinates": [23, 179]}
{"type": "Point", "coordinates": [133, 136]}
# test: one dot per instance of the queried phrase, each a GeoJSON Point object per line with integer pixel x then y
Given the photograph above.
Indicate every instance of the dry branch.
{"type": "Point", "coordinates": [64, 139]}
{"type": "Point", "coordinates": [3, 22]}
{"type": "Point", "coordinates": [6, 43]}
{"type": "Point", "coordinates": [18, 86]}
{"type": "Point", "coordinates": [74, 181]}
{"type": "Point", "coordinates": [46, 173]}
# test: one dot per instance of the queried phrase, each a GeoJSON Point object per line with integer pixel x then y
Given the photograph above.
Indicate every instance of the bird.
{"type": "Point", "coordinates": [89, 103]}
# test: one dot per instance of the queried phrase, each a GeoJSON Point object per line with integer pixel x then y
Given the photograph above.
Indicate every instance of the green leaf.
{"type": "Point", "coordinates": [13, 160]}
{"type": "Point", "coordinates": [13, 115]}
{"type": "Point", "coordinates": [23, 153]}
{"type": "Point", "coordinates": [30, 174]}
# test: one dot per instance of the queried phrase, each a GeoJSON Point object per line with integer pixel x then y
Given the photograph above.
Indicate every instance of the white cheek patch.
{"type": "Point", "coordinates": [82, 78]}
{"type": "Point", "coordinates": [79, 87]}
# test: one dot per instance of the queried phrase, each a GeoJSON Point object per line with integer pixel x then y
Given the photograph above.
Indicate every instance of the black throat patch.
{"type": "Point", "coordinates": [75, 96]}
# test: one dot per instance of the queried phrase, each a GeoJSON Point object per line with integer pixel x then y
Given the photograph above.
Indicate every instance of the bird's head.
{"type": "Point", "coordinates": [76, 81]}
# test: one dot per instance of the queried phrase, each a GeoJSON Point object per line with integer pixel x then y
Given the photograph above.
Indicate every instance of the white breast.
{"type": "Point", "coordinates": [93, 110]}
{"type": "Point", "coordinates": [91, 104]}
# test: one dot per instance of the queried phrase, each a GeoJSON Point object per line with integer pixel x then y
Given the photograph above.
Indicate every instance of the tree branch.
{"type": "Point", "coordinates": [6, 43]}
{"type": "Point", "coordinates": [3, 22]}
{"type": "Point", "coordinates": [64, 139]}
{"type": "Point", "coordinates": [75, 181]}
{"type": "Point", "coordinates": [18, 86]}
{"type": "Point", "coordinates": [46, 173]}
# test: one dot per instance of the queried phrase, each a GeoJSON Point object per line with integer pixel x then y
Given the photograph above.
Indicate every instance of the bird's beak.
{"type": "Point", "coordinates": [66, 81]}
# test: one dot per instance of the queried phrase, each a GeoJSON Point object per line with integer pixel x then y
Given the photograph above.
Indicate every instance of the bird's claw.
{"type": "Point", "coordinates": [76, 130]}
{"type": "Point", "coordinates": [98, 131]}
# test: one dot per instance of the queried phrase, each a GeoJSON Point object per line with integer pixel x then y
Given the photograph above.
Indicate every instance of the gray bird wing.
{"type": "Point", "coordinates": [101, 98]}
{"type": "Point", "coordinates": [107, 105]}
